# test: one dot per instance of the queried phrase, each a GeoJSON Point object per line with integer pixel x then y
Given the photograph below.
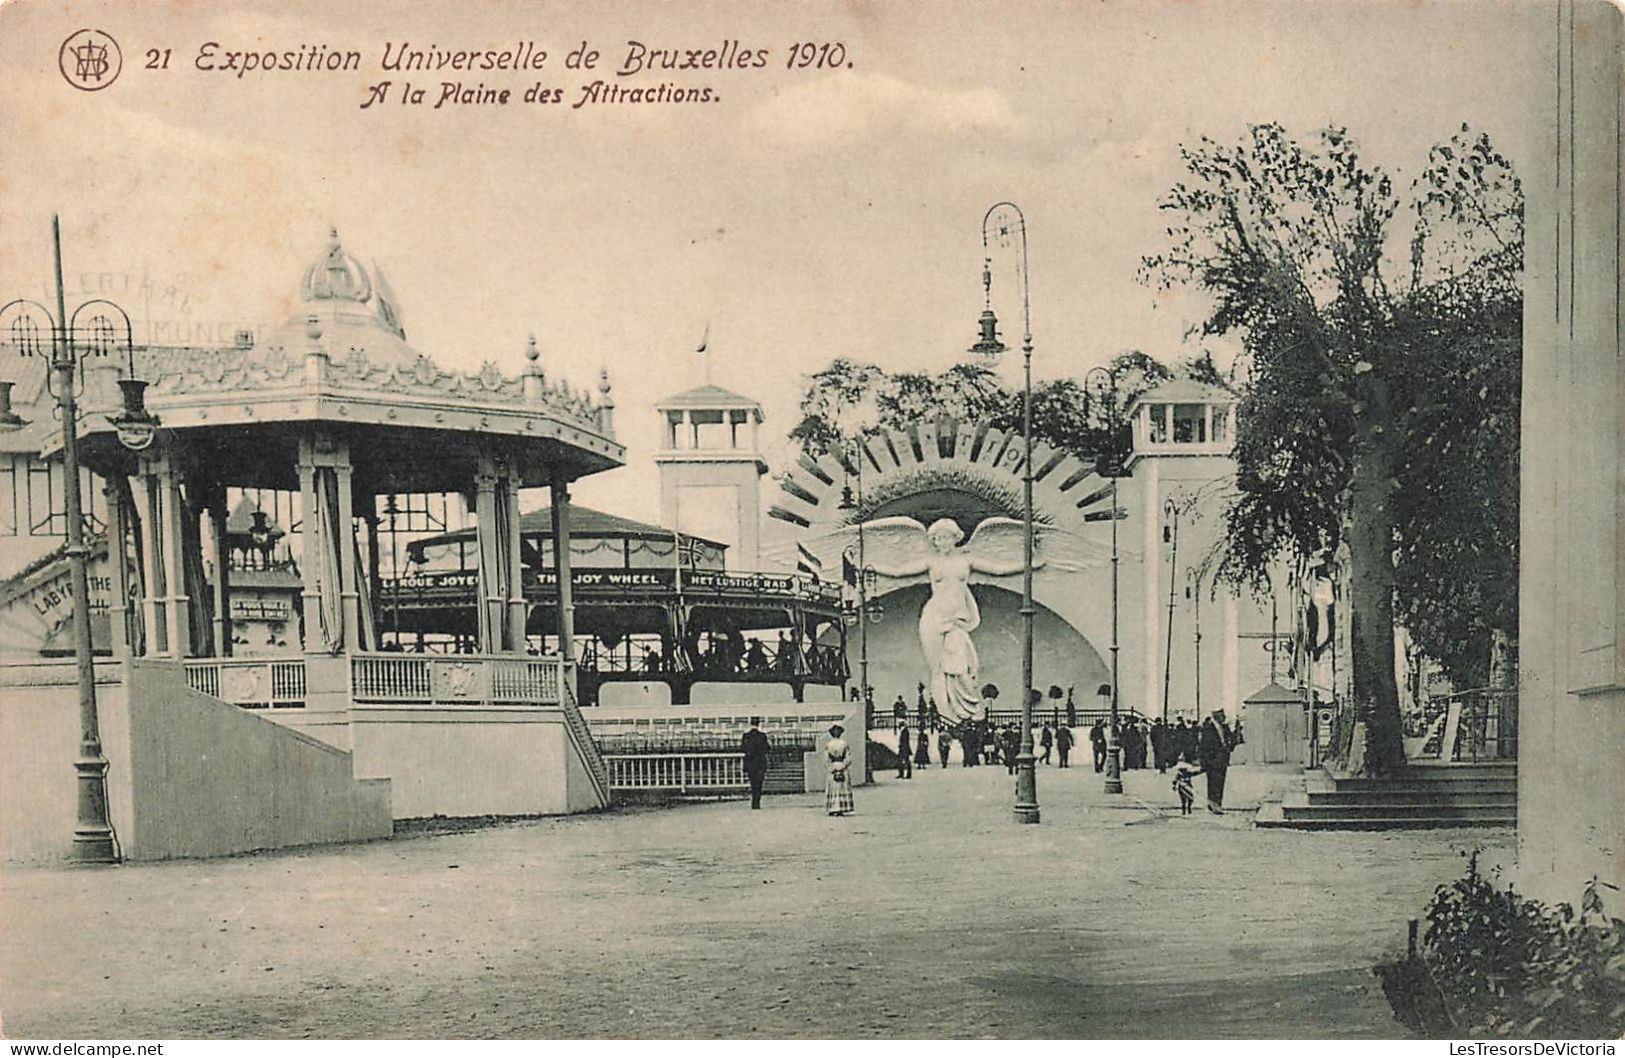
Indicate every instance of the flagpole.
{"type": "Point", "coordinates": [705, 355]}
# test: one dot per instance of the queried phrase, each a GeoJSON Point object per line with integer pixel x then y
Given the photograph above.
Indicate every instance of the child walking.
{"type": "Point", "coordinates": [1184, 772]}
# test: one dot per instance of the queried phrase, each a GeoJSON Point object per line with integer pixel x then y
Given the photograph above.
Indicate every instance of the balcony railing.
{"type": "Point", "coordinates": [252, 683]}
{"type": "Point", "coordinates": [454, 679]}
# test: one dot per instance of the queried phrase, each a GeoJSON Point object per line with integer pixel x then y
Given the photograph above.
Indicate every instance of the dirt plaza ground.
{"type": "Point", "coordinates": [928, 914]}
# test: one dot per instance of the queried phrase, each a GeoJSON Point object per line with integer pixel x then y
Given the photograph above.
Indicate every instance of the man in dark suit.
{"type": "Point", "coordinates": [1215, 744]}
{"type": "Point", "coordinates": [754, 745]}
{"type": "Point", "coordinates": [1097, 742]}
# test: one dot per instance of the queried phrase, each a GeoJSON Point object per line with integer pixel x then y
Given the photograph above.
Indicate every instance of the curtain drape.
{"type": "Point", "coordinates": [367, 634]}
{"type": "Point", "coordinates": [135, 591]}
{"type": "Point", "coordinates": [195, 579]}
{"type": "Point", "coordinates": [504, 555]}
{"type": "Point", "coordinates": [680, 661]}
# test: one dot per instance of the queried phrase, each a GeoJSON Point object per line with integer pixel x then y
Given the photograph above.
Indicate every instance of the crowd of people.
{"type": "Point", "coordinates": [1188, 748]}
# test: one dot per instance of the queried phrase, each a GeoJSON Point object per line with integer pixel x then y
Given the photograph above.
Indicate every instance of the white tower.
{"type": "Point", "coordinates": [710, 469]}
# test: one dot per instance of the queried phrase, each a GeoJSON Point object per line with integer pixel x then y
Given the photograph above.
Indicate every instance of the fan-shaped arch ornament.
{"type": "Point", "coordinates": [948, 468]}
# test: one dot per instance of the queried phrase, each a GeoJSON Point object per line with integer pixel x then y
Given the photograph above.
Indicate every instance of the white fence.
{"type": "Point", "coordinates": [677, 772]}
{"type": "Point", "coordinates": [252, 683]}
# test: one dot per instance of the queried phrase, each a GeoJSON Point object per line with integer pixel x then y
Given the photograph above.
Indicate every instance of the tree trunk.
{"type": "Point", "coordinates": [1371, 583]}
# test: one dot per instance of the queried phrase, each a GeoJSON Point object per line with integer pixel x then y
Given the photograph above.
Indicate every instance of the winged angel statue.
{"type": "Point", "coordinates": [901, 547]}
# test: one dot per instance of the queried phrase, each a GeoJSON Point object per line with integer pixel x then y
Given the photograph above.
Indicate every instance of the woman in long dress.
{"type": "Point", "coordinates": [838, 787]}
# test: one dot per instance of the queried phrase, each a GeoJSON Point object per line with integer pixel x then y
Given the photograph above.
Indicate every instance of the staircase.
{"type": "Point", "coordinates": [1483, 794]}
{"type": "Point", "coordinates": [786, 773]}
{"type": "Point", "coordinates": [580, 736]}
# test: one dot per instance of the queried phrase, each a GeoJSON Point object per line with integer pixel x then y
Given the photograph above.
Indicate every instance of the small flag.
{"type": "Point", "coordinates": [849, 571]}
{"type": "Point", "coordinates": [690, 551]}
{"type": "Point", "coordinates": [807, 562]}
{"type": "Point", "coordinates": [705, 339]}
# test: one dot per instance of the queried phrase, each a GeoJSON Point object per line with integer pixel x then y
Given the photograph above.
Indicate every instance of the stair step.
{"type": "Point", "coordinates": [1452, 795]}
{"type": "Point", "coordinates": [1415, 810]}
{"type": "Point", "coordinates": [1377, 823]}
{"type": "Point", "coordinates": [1504, 770]}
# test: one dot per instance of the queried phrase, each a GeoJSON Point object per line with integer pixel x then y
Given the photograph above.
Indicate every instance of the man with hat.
{"type": "Point", "coordinates": [754, 745]}
{"type": "Point", "coordinates": [1215, 744]}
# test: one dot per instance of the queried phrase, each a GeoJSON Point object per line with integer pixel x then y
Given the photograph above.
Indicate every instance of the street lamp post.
{"type": "Point", "coordinates": [1114, 751]}
{"type": "Point", "coordinates": [1193, 591]}
{"type": "Point", "coordinates": [865, 574]}
{"type": "Point", "coordinates": [93, 840]}
{"type": "Point", "coordinates": [1026, 807]}
{"type": "Point", "coordinates": [1170, 536]}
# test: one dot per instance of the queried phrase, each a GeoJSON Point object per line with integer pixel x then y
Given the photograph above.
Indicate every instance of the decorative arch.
{"type": "Point", "coordinates": [943, 468]}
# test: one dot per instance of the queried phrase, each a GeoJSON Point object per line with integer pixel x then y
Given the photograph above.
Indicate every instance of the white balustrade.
{"type": "Point", "coordinates": [454, 679]}
{"type": "Point", "coordinates": [252, 683]}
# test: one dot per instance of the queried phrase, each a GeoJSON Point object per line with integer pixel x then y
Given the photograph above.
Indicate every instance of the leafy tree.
{"type": "Point", "coordinates": [1291, 240]}
{"type": "Point", "coordinates": [849, 398]}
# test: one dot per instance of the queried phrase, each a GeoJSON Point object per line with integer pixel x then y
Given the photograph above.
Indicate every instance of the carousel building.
{"type": "Point", "coordinates": [659, 619]}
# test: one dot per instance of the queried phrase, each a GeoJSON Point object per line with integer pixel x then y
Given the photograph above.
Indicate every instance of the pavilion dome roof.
{"type": "Point", "coordinates": [353, 306]}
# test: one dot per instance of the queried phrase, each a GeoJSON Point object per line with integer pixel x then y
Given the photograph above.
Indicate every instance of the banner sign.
{"type": "Point", "coordinates": [615, 581]}
{"type": "Point", "coordinates": [260, 609]}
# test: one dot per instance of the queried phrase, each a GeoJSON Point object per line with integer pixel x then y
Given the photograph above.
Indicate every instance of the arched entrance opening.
{"type": "Point", "coordinates": [1061, 655]}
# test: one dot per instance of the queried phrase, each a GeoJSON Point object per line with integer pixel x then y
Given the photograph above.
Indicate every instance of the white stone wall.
{"type": "Point", "coordinates": [1571, 768]}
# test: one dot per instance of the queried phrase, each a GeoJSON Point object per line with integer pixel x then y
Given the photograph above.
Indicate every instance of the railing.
{"type": "Point", "coordinates": [1488, 725]}
{"type": "Point", "coordinates": [581, 737]}
{"type": "Point", "coordinates": [454, 679]}
{"type": "Point", "coordinates": [679, 773]}
{"type": "Point", "coordinates": [251, 683]}
{"type": "Point", "coordinates": [885, 719]}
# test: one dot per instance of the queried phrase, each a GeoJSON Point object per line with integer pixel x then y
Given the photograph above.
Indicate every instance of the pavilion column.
{"type": "Point", "coordinates": [375, 575]}
{"type": "Point", "coordinates": [560, 490]}
{"type": "Point", "coordinates": [516, 567]}
{"type": "Point", "coordinates": [349, 595]}
{"type": "Point", "coordinates": [118, 603]}
{"type": "Point", "coordinates": [310, 545]}
{"type": "Point", "coordinates": [485, 533]}
{"type": "Point", "coordinates": [173, 544]}
{"type": "Point", "coordinates": [151, 582]}
{"type": "Point", "coordinates": [222, 573]}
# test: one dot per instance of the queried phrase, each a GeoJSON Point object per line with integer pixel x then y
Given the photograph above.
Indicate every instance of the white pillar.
{"type": "Point", "coordinates": [173, 546]}
{"type": "Point", "coordinates": [516, 567]}
{"type": "Point", "coordinates": [492, 598]}
{"type": "Point", "coordinates": [151, 583]}
{"type": "Point", "coordinates": [561, 563]}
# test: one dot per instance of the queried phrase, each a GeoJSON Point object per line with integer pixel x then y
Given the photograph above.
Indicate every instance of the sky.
{"type": "Point", "coordinates": [803, 215]}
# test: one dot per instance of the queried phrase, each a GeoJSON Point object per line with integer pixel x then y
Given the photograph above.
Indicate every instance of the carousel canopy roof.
{"type": "Point", "coordinates": [585, 523]}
